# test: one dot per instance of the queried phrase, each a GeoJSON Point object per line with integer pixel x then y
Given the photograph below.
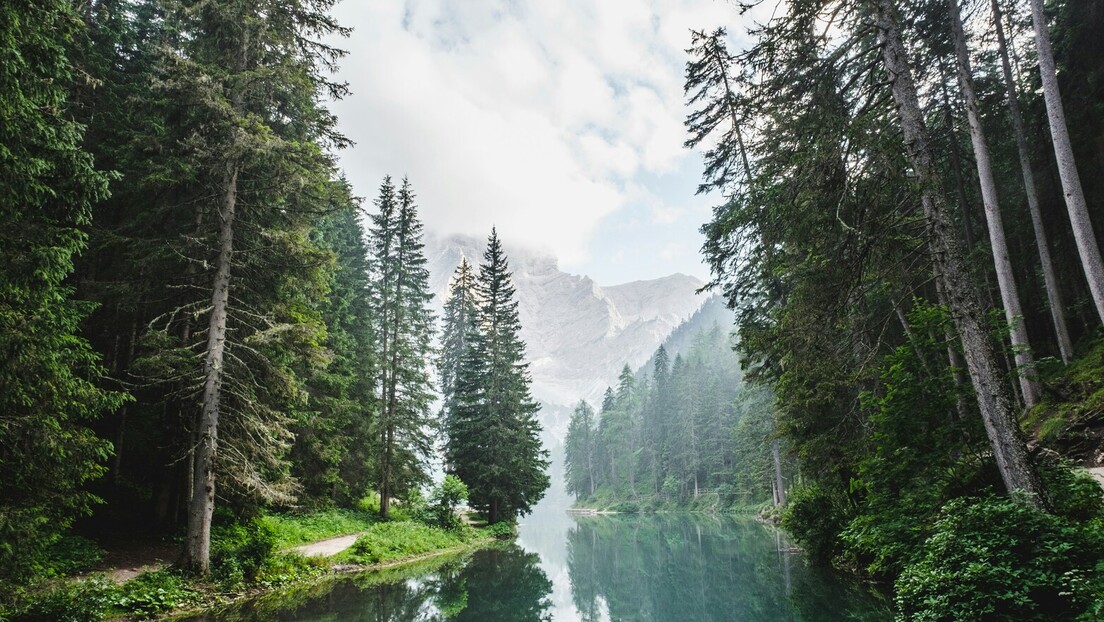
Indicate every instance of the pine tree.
{"type": "Point", "coordinates": [461, 314]}
{"type": "Point", "coordinates": [48, 390]}
{"type": "Point", "coordinates": [404, 333]}
{"type": "Point", "coordinates": [579, 448]}
{"type": "Point", "coordinates": [333, 439]}
{"type": "Point", "coordinates": [494, 437]}
{"type": "Point", "coordinates": [255, 158]}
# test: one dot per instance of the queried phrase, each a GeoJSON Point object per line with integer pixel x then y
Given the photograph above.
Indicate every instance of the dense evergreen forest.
{"type": "Point", "coordinates": [205, 333]}
{"type": "Point", "coordinates": [200, 322]}
{"type": "Point", "coordinates": [910, 238]}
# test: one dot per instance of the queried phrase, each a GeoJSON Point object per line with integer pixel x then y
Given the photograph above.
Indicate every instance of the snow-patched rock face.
{"type": "Point", "coordinates": [578, 333]}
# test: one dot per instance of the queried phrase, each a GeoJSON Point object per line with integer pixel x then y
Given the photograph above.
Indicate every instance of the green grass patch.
{"type": "Point", "coordinates": [398, 540]}
{"type": "Point", "coordinates": [294, 529]}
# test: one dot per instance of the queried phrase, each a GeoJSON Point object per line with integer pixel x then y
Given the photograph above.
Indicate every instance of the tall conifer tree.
{"type": "Point", "coordinates": [404, 333]}
{"type": "Point", "coordinates": [461, 316]}
{"type": "Point", "coordinates": [47, 373]}
{"type": "Point", "coordinates": [494, 437]}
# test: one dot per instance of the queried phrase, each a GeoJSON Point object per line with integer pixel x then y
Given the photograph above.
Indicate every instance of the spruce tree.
{"type": "Point", "coordinates": [461, 314]}
{"type": "Point", "coordinates": [333, 439]}
{"type": "Point", "coordinates": [404, 334]}
{"type": "Point", "coordinates": [48, 391]}
{"type": "Point", "coordinates": [579, 446]}
{"type": "Point", "coordinates": [494, 437]}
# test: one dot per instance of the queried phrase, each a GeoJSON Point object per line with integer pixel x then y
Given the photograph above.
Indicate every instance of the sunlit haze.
{"type": "Point", "coordinates": [559, 122]}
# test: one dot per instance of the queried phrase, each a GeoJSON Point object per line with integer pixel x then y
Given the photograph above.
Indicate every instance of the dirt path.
{"type": "Point", "coordinates": [326, 548]}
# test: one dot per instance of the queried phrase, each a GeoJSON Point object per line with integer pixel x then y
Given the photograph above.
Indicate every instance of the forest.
{"type": "Point", "coordinates": [212, 344]}
{"type": "Point", "coordinates": [205, 333]}
{"type": "Point", "coordinates": [910, 237]}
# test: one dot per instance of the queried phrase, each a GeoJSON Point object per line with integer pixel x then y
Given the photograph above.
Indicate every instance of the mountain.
{"type": "Point", "coordinates": [712, 313]}
{"type": "Point", "coordinates": [578, 333]}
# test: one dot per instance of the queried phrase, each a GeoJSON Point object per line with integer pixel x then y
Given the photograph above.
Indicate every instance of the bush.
{"type": "Point", "coordinates": [71, 555]}
{"type": "Point", "coordinates": [239, 551]}
{"type": "Point", "coordinates": [815, 519]}
{"type": "Point", "coordinates": [156, 592]}
{"type": "Point", "coordinates": [1073, 494]}
{"type": "Point", "coordinates": [69, 601]}
{"type": "Point", "coordinates": [1001, 559]}
{"type": "Point", "coordinates": [446, 497]}
{"type": "Point", "coordinates": [501, 531]}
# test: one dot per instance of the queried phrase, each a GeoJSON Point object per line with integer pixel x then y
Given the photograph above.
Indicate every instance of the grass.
{"type": "Point", "coordinates": [386, 542]}
{"type": "Point", "coordinates": [294, 529]}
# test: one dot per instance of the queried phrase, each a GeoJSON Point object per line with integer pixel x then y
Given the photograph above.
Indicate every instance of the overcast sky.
{"type": "Point", "coordinates": [559, 121]}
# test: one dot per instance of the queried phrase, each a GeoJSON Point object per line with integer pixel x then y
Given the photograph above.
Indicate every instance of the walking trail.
{"type": "Point", "coordinates": [126, 561]}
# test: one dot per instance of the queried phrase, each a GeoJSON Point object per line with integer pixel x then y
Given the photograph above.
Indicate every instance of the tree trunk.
{"type": "Point", "coordinates": [956, 168]}
{"type": "Point", "coordinates": [1067, 167]}
{"type": "Point", "coordinates": [1050, 278]}
{"type": "Point", "coordinates": [993, 397]}
{"type": "Point", "coordinates": [1010, 297]}
{"type": "Point", "coordinates": [202, 506]}
{"type": "Point", "coordinates": [779, 483]}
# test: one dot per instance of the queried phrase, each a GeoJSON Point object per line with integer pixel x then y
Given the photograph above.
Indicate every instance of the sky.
{"type": "Point", "coordinates": [557, 121]}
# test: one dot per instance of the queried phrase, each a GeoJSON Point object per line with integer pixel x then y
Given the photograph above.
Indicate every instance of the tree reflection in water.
{"type": "Point", "coordinates": [702, 568]}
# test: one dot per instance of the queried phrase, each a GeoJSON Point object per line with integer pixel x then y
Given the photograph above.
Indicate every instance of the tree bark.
{"type": "Point", "coordinates": [993, 397]}
{"type": "Point", "coordinates": [1006, 280]}
{"type": "Point", "coordinates": [1078, 210]}
{"type": "Point", "coordinates": [779, 483]}
{"type": "Point", "coordinates": [202, 506]}
{"type": "Point", "coordinates": [1050, 278]}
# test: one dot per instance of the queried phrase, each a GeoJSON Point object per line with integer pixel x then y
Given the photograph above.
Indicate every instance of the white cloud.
{"type": "Point", "coordinates": [538, 117]}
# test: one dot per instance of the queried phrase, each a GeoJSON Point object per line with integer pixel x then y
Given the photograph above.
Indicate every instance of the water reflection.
{"type": "Point", "coordinates": [501, 583]}
{"type": "Point", "coordinates": [690, 568]}
{"type": "Point", "coordinates": [593, 569]}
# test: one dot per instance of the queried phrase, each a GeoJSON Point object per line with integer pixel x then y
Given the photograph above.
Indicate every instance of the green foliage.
{"type": "Point", "coordinates": [501, 530]}
{"type": "Point", "coordinates": [284, 568]}
{"type": "Point", "coordinates": [69, 555]}
{"type": "Point", "coordinates": [239, 552]}
{"type": "Point", "coordinates": [1000, 559]}
{"type": "Point", "coordinates": [397, 540]}
{"type": "Point", "coordinates": [1072, 493]}
{"type": "Point", "coordinates": [50, 376]}
{"type": "Point", "coordinates": [815, 516]}
{"type": "Point", "coordinates": [292, 529]}
{"type": "Point", "coordinates": [86, 600]}
{"type": "Point", "coordinates": [155, 592]}
{"type": "Point", "coordinates": [404, 327]}
{"type": "Point", "coordinates": [446, 498]}
{"type": "Point", "coordinates": [494, 441]}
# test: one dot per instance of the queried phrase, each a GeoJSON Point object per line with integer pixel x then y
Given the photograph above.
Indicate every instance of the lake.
{"type": "Point", "coordinates": [568, 568]}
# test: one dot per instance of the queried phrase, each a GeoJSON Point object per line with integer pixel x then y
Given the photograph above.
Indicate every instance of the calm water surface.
{"type": "Point", "coordinates": [565, 568]}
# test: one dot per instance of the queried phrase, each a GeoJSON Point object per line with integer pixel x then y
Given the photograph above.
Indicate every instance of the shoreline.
{"type": "Point", "coordinates": [336, 571]}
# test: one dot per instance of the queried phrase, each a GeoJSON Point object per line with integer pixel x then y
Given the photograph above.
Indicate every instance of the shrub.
{"type": "Point", "coordinates": [68, 601]}
{"type": "Point", "coordinates": [447, 496]}
{"type": "Point", "coordinates": [239, 551]}
{"type": "Point", "coordinates": [285, 568]}
{"type": "Point", "coordinates": [815, 518]}
{"type": "Point", "coordinates": [1001, 559]}
{"type": "Point", "coordinates": [501, 531]}
{"type": "Point", "coordinates": [156, 592]}
{"type": "Point", "coordinates": [1073, 494]}
{"type": "Point", "coordinates": [70, 555]}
